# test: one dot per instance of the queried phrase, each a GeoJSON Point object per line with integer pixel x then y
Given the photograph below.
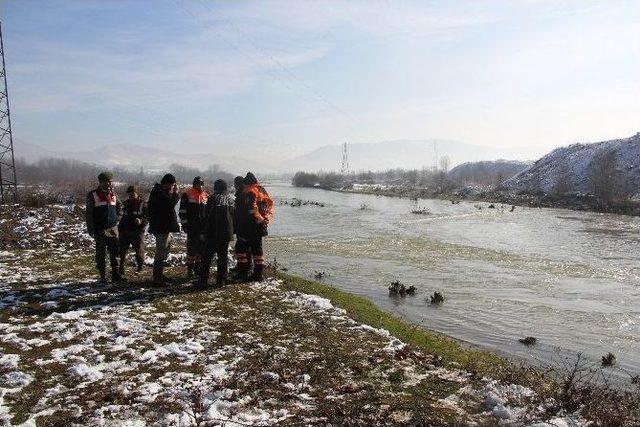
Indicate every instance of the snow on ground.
{"type": "Point", "coordinates": [72, 352]}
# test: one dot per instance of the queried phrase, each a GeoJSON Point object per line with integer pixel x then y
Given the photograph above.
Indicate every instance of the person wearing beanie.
{"type": "Point", "coordinates": [132, 227]}
{"type": "Point", "coordinates": [217, 233]}
{"type": "Point", "coordinates": [255, 211]}
{"type": "Point", "coordinates": [163, 221]}
{"type": "Point", "coordinates": [193, 209]}
{"type": "Point", "coordinates": [103, 212]}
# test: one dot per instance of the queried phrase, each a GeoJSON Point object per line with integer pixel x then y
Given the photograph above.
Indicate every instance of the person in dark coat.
{"type": "Point", "coordinates": [163, 220]}
{"type": "Point", "coordinates": [217, 234]}
{"type": "Point", "coordinates": [103, 212]}
{"type": "Point", "coordinates": [240, 228]}
{"type": "Point", "coordinates": [132, 227]}
{"type": "Point", "coordinates": [256, 210]}
{"type": "Point", "coordinates": [193, 209]}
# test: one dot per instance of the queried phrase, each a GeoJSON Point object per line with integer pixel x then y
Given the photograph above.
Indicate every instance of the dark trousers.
{"type": "Point", "coordinates": [134, 239]}
{"type": "Point", "coordinates": [107, 241]}
{"type": "Point", "coordinates": [248, 247]}
{"type": "Point", "coordinates": [221, 251]}
{"type": "Point", "coordinates": [195, 248]}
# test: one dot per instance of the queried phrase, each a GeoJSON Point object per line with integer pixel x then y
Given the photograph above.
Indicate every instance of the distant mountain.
{"type": "Point", "coordinates": [572, 168]}
{"type": "Point", "coordinates": [407, 154]}
{"type": "Point", "coordinates": [136, 156]}
{"type": "Point", "coordinates": [487, 172]}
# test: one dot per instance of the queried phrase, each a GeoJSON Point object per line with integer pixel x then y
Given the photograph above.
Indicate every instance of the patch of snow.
{"type": "Point", "coordinates": [86, 372]}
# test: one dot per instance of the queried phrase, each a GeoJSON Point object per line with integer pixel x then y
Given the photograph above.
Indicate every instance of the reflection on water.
{"type": "Point", "coordinates": [571, 279]}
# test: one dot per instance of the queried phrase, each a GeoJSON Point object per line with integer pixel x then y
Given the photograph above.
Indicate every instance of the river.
{"type": "Point", "coordinates": [570, 279]}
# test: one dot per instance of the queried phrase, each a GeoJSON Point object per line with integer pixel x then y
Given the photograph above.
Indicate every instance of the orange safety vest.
{"type": "Point", "coordinates": [262, 205]}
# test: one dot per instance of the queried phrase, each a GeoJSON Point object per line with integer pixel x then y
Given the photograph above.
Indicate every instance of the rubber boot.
{"type": "Point", "coordinates": [158, 277]}
{"type": "Point", "coordinates": [203, 279]}
{"type": "Point", "coordinates": [242, 273]}
{"type": "Point", "coordinates": [258, 274]}
{"type": "Point", "coordinates": [102, 280]}
{"type": "Point", "coordinates": [116, 278]}
{"type": "Point", "coordinates": [220, 282]}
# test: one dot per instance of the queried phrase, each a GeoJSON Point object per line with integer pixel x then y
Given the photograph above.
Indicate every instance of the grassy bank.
{"type": "Point", "coordinates": [287, 351]}
{"type": "Point", "coordinates": [365, 311]}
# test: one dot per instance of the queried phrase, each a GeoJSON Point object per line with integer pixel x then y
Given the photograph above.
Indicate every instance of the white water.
{"type": "Point", "coordinates": [571, 279]}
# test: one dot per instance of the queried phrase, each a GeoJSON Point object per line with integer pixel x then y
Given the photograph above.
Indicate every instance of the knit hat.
{"type": "Point", "coordinates": [198, 180]}
{"type": "Point", "coordinates": [220, 186]}
{"type": "Point", "coordinates": [105, 177]}
{"type": "Point", "coordinates": [250, 179]}
{"type": "Point", "coordinates": [168, 179]}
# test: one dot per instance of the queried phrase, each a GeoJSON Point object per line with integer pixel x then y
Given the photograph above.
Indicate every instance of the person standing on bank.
{"type": "Point", "coordinates": [163, 221]}
{"type": "Point", "coordinates": [132, 226]}
{"type": "Point", "coordinates": [193, 209]}
{"type": "Point", "coordinates": [103, 212]}
{"type": "Point", "coordinates": [240, 227]}
{"type": "Point", "coordinates": [257, 211]}
{"type": "Point", "coordinates": [216, 235]}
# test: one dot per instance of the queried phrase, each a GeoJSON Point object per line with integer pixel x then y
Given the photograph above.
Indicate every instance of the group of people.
{"type": "Point", "coordinates": [209, 220]}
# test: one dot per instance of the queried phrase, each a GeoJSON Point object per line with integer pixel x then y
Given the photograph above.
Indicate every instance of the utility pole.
{"type": "Point", "coordinates": [435, 155]}
{"type": "Point", "coordinates": [8, 180]}
{"type": "Point", "coordinates": [344, 167]}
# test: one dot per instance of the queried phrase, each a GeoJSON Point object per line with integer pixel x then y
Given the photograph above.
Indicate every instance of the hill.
{"type": "Point", "coordinates": [586, 168]}
{"type": "Point", "coordinates": [488, 172]}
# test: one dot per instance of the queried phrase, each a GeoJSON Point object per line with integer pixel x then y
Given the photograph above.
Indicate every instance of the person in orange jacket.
{"type": "Point", "coordinates": [193, 211]}
{"type": "Point", "coordinates": [253, 220]}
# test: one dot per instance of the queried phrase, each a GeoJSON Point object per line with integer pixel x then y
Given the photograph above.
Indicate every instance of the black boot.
{"type": "Point", "coordinates": [158, 277]}
{"type": "Point", "coordinates": [220, 282]}
{"type": "Point", "coordinates": [203, 279]}
{"type": "Point", "coordinates": [258, 274]}
{"type": "Point", "coordinates": [102, 280]}
{"type": "Point", "coordinates": [116, 278]}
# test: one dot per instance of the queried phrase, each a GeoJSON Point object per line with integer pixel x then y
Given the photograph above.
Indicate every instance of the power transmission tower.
{"type": "Point", "coordinates": [344, 167]}
{"type": "Point", "coordinates": [8, 180]}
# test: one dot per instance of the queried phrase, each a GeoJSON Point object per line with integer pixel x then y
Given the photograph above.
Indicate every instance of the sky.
{"type": "Point", "coordinates": [278, 79]}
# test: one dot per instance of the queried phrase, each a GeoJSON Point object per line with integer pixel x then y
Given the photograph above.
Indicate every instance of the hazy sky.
{"type": "Point", "coordinates": [286, 77]}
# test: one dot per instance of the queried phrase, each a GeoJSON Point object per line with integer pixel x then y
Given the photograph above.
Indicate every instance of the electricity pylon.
{"type": "Point", "coordinates": [344, 167]}
{"type": "Point", "coordinates": [8, 180]}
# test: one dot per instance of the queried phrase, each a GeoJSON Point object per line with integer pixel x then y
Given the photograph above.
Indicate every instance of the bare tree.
{"type": "Point", "coordinates": [607, 182]}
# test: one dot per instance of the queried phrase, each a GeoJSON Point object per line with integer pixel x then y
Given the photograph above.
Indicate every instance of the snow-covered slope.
{"type": "Point", "coordinates": [571, 166]}
{"type": "Point", "coordinates": [487, 172]}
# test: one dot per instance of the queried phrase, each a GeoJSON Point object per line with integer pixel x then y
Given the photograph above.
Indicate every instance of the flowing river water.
{"type": "Point", "coordinates": [570, 279]}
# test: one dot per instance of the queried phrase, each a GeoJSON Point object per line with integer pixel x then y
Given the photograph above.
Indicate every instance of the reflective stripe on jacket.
{"type": "Point", "coordinates": [260, 204]}
{"type": "Point", "coordinates": [103, 210]}
{"type": "Point", "coordinates": [193, 209]}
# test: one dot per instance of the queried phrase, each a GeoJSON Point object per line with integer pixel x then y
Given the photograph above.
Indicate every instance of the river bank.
{"type": "Point", "coordinates": [252, 354]}
{"type": "Point", "coordinates": [573, 201]}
